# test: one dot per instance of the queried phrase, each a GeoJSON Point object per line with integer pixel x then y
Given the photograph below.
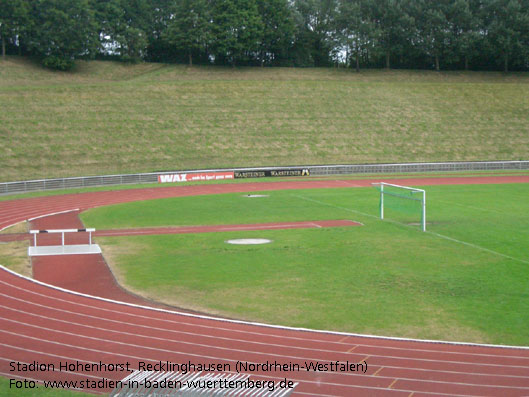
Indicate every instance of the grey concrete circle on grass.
{"type": "Point", "coordinates": [249, 241]}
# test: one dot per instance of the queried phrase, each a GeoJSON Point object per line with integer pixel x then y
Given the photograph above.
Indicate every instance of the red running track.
{"type": "Point", "coordinates": [47, 325]}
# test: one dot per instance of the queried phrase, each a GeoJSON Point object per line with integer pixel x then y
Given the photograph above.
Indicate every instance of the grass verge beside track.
{"type": "Point", "coordinates": [41, 391]}
{"type": "Point", "coordinates": [465, 279]}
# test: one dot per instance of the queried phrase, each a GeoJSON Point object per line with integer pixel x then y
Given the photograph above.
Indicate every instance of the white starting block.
{"type": "Point", "coordinates": [63, 249]}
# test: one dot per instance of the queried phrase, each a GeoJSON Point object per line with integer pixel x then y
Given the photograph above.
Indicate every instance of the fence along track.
{"type": "Point", "coordinates": [315, 170]}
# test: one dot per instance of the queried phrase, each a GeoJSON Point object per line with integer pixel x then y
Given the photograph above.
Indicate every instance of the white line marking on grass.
{"type": "Point", "coordinates": [338, 207]}
{"type": "Point", "coordinates": [478, 247]}
{"type": "Point", "coordinates": [411, 227]}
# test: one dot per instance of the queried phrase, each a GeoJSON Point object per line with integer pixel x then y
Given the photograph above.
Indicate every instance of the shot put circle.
{"type": "Point", "coordinates": [248, 241]}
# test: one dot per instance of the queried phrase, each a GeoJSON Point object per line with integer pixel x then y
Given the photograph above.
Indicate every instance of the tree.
{"type": "Point", "coordinates": [394, 26]}
{"type": "Point", "coordinates": [123, 27]}
{"type": "Point", "coordinates": [315, 28]}
{"type": "Point", "coordinates": [354, 30]}
{"type": "Point", "coordinates": [433, 22]}
{"type": "Point", "coordinates": [237, 29]}
{"type": "Point", "coordinates": [160, 16]}
{"type": "Point", "coordinates": [63, 30]}
{"type": "Point", "coordinates": [278, 29]}
{"type": "Point", "coordinates": [189, 28]}
{"type": "Point", "coordinates": [506, 25]}
{"type": "Point", "coordinates": [13, 21]}
{"type": "Point", "coordinates": [466, 26]}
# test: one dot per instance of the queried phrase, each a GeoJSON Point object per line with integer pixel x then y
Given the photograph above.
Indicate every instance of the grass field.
{"type": "Point", "coordinates": [464, 279]}
{"type": "Point", "coordinates": [107, 118]}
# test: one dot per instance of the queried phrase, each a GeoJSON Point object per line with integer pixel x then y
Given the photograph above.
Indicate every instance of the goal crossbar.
{"type": "Point", "coordinates": [421, 198]}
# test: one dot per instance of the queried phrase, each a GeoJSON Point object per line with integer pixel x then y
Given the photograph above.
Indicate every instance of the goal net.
{"type": "Point", "coordinates": [403, 204]}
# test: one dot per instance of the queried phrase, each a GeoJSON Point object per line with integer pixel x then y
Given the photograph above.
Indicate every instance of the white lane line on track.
{"type": "Point", "coordinates": [114, 312]}
{"type": "Point", "coordinates": [8, 226]}
{"type": "Point", "coordinates": [52, 214]}
{"type": "Point", "coordinates": [93, 362]}
{"type": "Point", "coordinates": [319, 382]}
{"type": "Point", "coordinates": [153, 338]}
{"type": "Point", "coordinates": [36, 352]}
{"type": "Point", "coordinates": [150, 327]}
{"type": "Point", "coordinates": [55, 370]}
{"type": "Point", "coordinates": [54, 355]}
{"type": "Point", "coordinates": [297, 392]}
{"type": "Point", "coordinates": [317, 359]}
{"type": "Point", "coordinates": [233, 360]}
{"type": "Point", "coordinates": [35, 212]}
{"type": "Point", "coordinates": [246, 352]}
{"type": "Point", "coordinates": [406, 367]}
{"type": "Point", "coordinates": [167, 330]}
{"type": "Point", "coordinates": [216, 359]}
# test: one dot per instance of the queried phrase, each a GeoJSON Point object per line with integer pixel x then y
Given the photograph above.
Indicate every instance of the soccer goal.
{"type": "Point", "coordinates": [402, 203]}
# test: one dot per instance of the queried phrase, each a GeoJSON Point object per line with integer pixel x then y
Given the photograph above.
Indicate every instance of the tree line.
{"type": "Point", "coordinates": [413, 34]}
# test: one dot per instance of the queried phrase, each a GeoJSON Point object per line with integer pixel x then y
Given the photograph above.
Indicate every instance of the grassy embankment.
{"type": "Point", "coordinates": [106, 117]}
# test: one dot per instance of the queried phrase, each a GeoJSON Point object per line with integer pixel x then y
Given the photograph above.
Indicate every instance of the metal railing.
{"type": "Point", "coordinates": [420, 167]}
{"type": "Point", "coordinates": [316, 170]}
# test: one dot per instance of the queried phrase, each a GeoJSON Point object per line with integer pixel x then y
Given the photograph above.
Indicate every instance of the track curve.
{"type": "Point", "coordinates": [40, 323]}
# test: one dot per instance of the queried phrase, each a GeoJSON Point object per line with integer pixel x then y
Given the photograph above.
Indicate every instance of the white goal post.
{"type": "Point", "coordinates": [403, 193]}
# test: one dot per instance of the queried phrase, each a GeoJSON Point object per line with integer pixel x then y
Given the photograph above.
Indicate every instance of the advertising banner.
{"type": "Point", "coordinates": [192, 177]}
{"type": "Point", "coordinates": [267, 173]}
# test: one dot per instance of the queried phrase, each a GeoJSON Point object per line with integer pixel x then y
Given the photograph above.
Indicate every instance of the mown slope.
{"type": "Point", "coordinates": [107, 117]}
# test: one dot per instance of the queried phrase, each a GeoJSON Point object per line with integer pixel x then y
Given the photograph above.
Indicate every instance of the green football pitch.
{"type": "Point", "coordinates": [466, 278]}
